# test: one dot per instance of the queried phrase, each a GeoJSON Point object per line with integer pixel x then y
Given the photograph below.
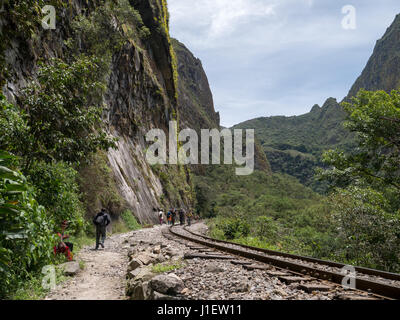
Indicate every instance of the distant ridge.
{"type": "Point", "coordinates": [294, 145]}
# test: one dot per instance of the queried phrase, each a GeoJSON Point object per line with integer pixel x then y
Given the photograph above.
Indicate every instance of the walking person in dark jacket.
{"type": "Point", "coordinates": [101, 221]}
{"type": "Point", "coordinates": [181, 217]}
{"type": "Point", "coordinates": [173, 217]}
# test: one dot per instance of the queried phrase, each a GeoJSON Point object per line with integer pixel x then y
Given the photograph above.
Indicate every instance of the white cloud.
{"type": "Point", "coordinates": [217, 18]}
{"type": "Point", "coordinates": [270, 52]}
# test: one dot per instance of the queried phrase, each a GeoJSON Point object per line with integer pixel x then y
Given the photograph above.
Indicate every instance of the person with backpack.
{"type": "Point", "coordinates": [173, 216]}
{"type": "Point", "coordinates": [189, 217]}
{"type": "Point", "coordinates": [169, 217]}
{"type": "Point", "coordinates": [181, 217]}
{"type": "Point", "coordinates": [101, 221]}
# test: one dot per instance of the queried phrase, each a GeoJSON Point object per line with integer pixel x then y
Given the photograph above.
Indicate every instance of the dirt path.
{"type": "Point", "coordinates": [103, 276]}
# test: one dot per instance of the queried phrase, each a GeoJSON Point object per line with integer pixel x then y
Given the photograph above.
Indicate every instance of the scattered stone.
{"type": "Point", "coordinates": [241, 262]}
{"type": "Point", "coordinates": [167, 284]}
{"type": "Point", "coordinates": [134, 264]}
{"type": "Point", "coordinates": [144, 258]}
{"type": "Point", "coordinates": [185, 291]}
{"type": "Point", "coordinates": [213, 268]}
{"type": "Point", "coordinates": [145, 274]}
{"type": "Point", "coordinates": [277, 273]}
{"type": "Point", "coordinates": [132, 274]}
{"type": "Point", "coordinates": [242, 287]}
{"type": "Point", "coordinates": [160, 296]}
{"type": "Point", "coordinates": [280, 292]}
{"type": "Point", "coordinates": [157, 249]}
{"type": "Point", "coordinates": [160, 258]}
{"type": "Point", "coordinates": [71, 268]}
{"type": "Point", "coordinates": [311, 288]}
{"type": "Point", "coordinates": [289, 280]}
{"type": "Point", "coordinates": [256, 267]}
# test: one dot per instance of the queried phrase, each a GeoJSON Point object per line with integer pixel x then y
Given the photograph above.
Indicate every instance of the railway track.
{"type": "Point", "coordinates": [378, 284]}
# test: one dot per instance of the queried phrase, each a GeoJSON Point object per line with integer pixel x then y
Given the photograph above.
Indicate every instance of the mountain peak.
{"type": "Point", "coordinates": [315, 108]}
{"type": "Point", "coordinates": [329, 103]}
{"type": "Point", "coordinates": [383, 68]}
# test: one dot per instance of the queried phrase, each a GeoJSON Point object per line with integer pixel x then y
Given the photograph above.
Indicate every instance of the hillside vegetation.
{"type": "Point", "coordinates": [294, 145]}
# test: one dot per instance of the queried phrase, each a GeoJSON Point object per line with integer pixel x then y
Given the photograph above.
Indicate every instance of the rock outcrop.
{"type": "Point", "coordinates": [383, 67]}
{"type": "Point", "coordinates": [141, 95]}
{"type": "Point", "coordinates": [143, 283]}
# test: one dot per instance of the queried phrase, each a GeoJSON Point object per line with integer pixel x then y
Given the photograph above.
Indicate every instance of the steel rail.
{"type": "Point", "coordinates": [363, 270]}
{"type": "Point", "coordinates": [382, 289]}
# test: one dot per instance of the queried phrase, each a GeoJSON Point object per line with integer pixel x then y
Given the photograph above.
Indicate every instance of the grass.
{"type": "Point", "coordinates": [130, 221]}
{"type": "Point", "coordinates": [168, 266]}
{"type": "Point", "coordinates": [32, 289]}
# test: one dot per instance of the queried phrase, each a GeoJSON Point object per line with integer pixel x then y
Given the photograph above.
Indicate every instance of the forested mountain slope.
{"type": "Point", "coordinates": [293, 145]}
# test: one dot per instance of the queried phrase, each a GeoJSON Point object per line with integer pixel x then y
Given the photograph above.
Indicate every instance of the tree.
{"type": "Point", "coordinates": [367, 180]}
{"type": "Point", "coordinates": [375, 118]}
{"type": "Point", "coordinates": [64, 110]}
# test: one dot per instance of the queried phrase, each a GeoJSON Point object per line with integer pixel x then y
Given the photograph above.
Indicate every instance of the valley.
{"type": "Point", "coordinates": [76, 106]}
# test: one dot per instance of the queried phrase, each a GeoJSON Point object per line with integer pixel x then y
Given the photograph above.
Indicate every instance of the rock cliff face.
{"type": "Point", "coordinates": [141, 95]}
{"type": "Point", "coordinates": [383, 68]}
{"type": "Point", "coordinates": [195, 101]}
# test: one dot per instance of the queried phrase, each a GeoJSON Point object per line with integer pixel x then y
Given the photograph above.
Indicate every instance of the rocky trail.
{"type": "Point", "coordinates": [144, 264]}
{"type": "Point", "coordinates": [102, 276]}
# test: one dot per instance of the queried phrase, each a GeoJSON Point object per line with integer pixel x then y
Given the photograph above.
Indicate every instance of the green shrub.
{"type": "Point", "coordinates": [57, 190]}
{"type": "Point", "coordinates": [130, 220]}
{"type": "Point", "coordinates": [368, 231]}
{"type": "Point", "coordinates": [234, 228]}
{"type": "Point", "coordinates": [27, 236]}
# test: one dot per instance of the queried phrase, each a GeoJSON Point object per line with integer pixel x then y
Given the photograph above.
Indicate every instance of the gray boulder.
{"type": "Point", "coordinates": [167, 284]}
{"type": "Point", "coordinates": [134, 264]}
{"type": "Point", "coordinates": [71, 268]}
{"type": "Point", "coordinates": [145, 258]}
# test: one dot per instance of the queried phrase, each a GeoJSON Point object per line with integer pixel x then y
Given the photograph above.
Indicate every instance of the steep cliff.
{"type": "Point", "coordinates": [195, 100]}
{"type": "Point", "coordinates": [141, 93]}
{"type": "Point", "coordinates": [383, 67]}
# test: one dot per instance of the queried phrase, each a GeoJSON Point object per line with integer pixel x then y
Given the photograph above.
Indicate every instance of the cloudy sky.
{"type": "Point", "coordinates": [278, 57]}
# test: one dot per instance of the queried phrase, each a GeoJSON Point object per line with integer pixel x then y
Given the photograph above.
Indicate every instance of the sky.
{"type": "Point", "coordinates": [279, 57]}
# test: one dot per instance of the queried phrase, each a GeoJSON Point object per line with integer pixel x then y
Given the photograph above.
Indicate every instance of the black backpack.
{"type": "Point", "coordinates": [100, 219]}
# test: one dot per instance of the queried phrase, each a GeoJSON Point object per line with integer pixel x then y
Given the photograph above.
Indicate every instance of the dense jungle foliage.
{"type": "Point", "coordinates": [358, 223]}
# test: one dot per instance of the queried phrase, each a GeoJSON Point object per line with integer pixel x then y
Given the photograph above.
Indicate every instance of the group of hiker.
{"type": "Point", "coordinates": [102, 219]}
{"type": "Point", "coordinates": [172, 214]}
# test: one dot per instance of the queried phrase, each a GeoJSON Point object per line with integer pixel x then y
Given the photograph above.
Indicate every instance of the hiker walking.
{"type": "Point", "coordinates": [189, 217]}
{"type": "Point", "coordinates": [181, 217]}
{"type": "Point", "coordinates": [169, 216]}
{"type": "Point", "coordinates": [173, 217]}
{"type": "Point", "coordinates": [161, 217]}
{"type": "Point", "coordinates": [101, 221]}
